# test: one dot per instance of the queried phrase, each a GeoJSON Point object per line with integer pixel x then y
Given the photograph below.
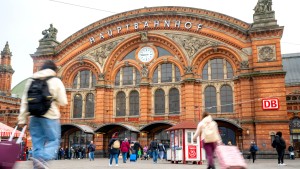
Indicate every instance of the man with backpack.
{"type": "Point", "coordinates": [280, 146]}
{"type": "Point", "coordinates": [114, 149]}
{"type": "Point", "coordinates": [42, 96]}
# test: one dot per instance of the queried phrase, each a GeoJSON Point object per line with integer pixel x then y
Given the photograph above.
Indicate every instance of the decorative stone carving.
{"type": "Point", "coordinates": [263, 6]}
{"type": "Point", "coordinates": [100, 54]}
{"type": "Point", "coordinates": [266, 53]}
{"type": "Point", "coordinates": [101, 76]}
{"type": "Point", "coordinates": [144, 71]}
{"type": "Point", "coordinates": [49, 33]}
{"type": "Point", "coordinates": [192, 44]}
{"type": "Point", "coordinates": [248, 51]}
{"type": "Point", "coordinates": [80, 59]}
{"type": "Point", "coordinates": [126, 63]}
{"type": "Point", "coordinates": [188, 69]}
{"type": "Point", "coordinates": [144, 36]}
{"type": "Point", "coordinates": [244, 64]}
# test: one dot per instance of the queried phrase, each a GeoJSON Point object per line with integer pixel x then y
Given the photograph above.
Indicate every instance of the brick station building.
{"type": "Point", "coordinates": [143, 71]}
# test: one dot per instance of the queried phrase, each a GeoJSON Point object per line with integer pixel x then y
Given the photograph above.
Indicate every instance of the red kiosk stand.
{"type": "Point", "coordinates": [182, 147]}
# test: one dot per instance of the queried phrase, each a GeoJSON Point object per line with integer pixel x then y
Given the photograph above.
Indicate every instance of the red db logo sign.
{"type": "Point", "coordinates": [270, 104]}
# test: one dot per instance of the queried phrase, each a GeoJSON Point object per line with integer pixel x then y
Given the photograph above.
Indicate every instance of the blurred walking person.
{"type": "Point", "coordinates": [208, 130]}
{"type": "Point", "coordinates": [45, 130]}
{"type": "Point", "coordinates": [280, 146]}
{"type": "Point", "coordinates": [91, 149]}
{"type": "Point", "coordinates": [154, 150]}
{"type": "Point", "coordinates": [125, 147]}
{"type": "Point", "coordinates": [114, 149]}
{"type": "Point", "coordinates": [161, 149]}
{"type": "Point", "coordinates": [253, 150]}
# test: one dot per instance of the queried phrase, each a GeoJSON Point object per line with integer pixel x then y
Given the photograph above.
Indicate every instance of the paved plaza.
{"type": "Point", "coordinates": [102, 163]}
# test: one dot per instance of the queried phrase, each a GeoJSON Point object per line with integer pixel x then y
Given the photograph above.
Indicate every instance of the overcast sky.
{"type": "Point", "coordinates": [22, 21]}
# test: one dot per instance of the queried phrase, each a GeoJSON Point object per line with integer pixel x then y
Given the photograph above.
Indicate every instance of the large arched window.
{"type": "Point", "coordinates": [75, 81]}
{"type": "Point", "coordinates": [77, 107]}
{"type": "Point", "coordinates": [217, 73]}
{"type": "Point", "coordinates": [166, 72]}
{"type": "Point", "coordinates": [159, 102]}
{"type": "Point", "coordinates": [117, 79]}
{"type": "Point", "coordinates": [84, 79]}
{"type": "Point", "coordinates": [134, 105]}
{"type": "Point", "coordinates": [174, 101]}
{"type": "Point", "coordinates": [89, 106]}
{"type": "Point", "coordinates": [121, 104]}
{"type": "Point", "coordinates": [217, 69]}
{"type": "Point", "coordinates": [226, 99]}
{"type": "Point", "coordinates": [127, 76]}
{"type": "Point", "coordinates": [155, 76]}
{"type": "Point", "coordinates": [210, 99]}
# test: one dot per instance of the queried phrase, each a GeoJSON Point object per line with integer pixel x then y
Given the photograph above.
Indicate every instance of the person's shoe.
{"type": "Point", "coordinates": [117, 165]}
{"type": "Point", "coordinates": [39, 163]}
{"type": "Point", "coordinates": [283, 164]}
{"type": "Point", "coordinates": [110, 165]}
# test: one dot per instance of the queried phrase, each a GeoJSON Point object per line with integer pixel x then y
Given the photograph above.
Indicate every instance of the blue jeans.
{"type": "Point", "coordinates": [91, 155]}
{"type": "Point", "coordinates": [124, 155]}
{"type": "Point", "coordinates": [45, 136]}
{"type": "Point", "coordinates": [115, 156]}
{"type": "Point", "coordinates": [154, 155]}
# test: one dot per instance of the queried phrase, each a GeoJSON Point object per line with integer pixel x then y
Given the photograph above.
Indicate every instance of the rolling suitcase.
{"type": "Point", "coordinates": [230, 157]}
{"type": "Point", "coordinates": [132, 157]}
{"type": "Point", "coordinates": [10, 151]}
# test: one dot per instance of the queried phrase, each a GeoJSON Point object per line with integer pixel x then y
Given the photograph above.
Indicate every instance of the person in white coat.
{"type": "Point", "coordinates": [208, 130]}
{"type": "Point", "coordinates": [45, 130]}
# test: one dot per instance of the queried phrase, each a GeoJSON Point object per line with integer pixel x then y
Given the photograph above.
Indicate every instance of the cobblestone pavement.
{"type": "Point", "coordinates": [102, 163]}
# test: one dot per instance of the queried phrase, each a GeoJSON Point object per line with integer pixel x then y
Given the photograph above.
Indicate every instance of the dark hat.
{"type": "Point", "coordinates": [279, 133]}
{"type": "Point", "coordinates": [115, 135]}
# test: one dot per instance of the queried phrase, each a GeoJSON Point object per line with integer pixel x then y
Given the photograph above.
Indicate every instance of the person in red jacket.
{"type": "Point", "coordinates": [125, 146]}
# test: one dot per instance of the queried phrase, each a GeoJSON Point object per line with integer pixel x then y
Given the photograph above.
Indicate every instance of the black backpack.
{"type": "Point", "coordinates": [38, 97]}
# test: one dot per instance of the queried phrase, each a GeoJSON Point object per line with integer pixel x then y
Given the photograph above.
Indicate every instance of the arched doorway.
{"type": "Point", "coordinates": [157, 130]}
{"type": "Point", "coordinates": [106, 130]}
{"type": "Point", "coordinates": [230, 131]}
{"type": "Point", "coordinates": [76, 136]}
{"type": "Point", "coordinates": [295, 133]}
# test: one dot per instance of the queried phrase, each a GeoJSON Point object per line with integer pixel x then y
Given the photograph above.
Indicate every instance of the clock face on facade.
{"type": "Point", "coordinates": [146, 54]}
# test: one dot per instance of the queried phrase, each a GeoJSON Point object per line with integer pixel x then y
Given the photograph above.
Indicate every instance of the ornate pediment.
{"type": "Point", "coordinates": [192, 44]}
{"type": "Point", "coordinates": [100, 53]}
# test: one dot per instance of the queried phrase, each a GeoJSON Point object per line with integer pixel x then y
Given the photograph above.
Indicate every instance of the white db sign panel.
{"type": "Point", "coordinates": [270, 104]}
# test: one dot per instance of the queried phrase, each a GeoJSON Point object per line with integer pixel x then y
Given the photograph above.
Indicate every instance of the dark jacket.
{"type": "Point", "coordinates": [111, 149]}
{"type": "Point", "coordinates": [136, 147]}
{"type": "Point", "coordinates": [291, 148]}
{"type": "Point", "coordinates": [91, 148]}
{"type": "Point", "coordinates": [153, 145]}
{"type": "Point", "coordinates": [253, 148]}
{"type": "Point", "coordinates": [279, 143]}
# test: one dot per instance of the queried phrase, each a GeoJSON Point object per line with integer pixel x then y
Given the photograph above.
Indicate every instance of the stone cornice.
{"type": "Point", "coordinates": [271, 121]}
{"type": "Point", "coordinates": [262, 34]}
{"type": "Point", "coordinates": [260, 74]}
{"type": "Point", "coordinates": [263, 121]}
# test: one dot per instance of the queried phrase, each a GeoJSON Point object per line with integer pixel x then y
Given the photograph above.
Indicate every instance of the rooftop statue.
{"type": "Point", "coordinates": [49, 33]}
{"type": "Point", "coordinates": [263, 6]}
